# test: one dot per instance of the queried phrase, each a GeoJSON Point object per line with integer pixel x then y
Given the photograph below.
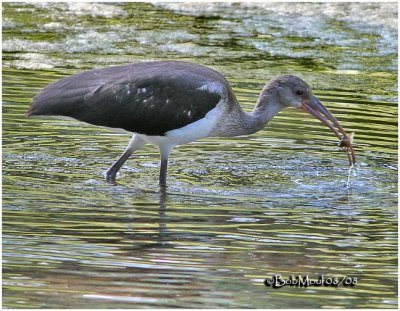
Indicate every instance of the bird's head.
{"type": "Point", "coordinates": [294, 92]}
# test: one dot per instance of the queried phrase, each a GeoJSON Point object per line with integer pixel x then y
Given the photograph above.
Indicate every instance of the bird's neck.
{"type": "Point", "coordinates": [238, 122]}
{"type": "Point", "coordinates": [266, 108]}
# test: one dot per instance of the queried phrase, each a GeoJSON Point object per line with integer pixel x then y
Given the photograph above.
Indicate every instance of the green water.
{"type": "Point", "coordinates": [238, 210]}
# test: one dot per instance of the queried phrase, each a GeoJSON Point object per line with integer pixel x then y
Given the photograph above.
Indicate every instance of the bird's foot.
{"type": "Point", "coordinates": [111, 178]}
{"type": "Point", "coordinates": [163, 188]}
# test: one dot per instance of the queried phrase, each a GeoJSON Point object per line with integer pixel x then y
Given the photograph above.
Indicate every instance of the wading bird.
{"type": "Point", "coordinates": [169, 103]}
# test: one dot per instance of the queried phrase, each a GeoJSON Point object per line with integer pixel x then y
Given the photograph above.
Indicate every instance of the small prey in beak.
{"type": "Point", "coordinates": [314, 107]}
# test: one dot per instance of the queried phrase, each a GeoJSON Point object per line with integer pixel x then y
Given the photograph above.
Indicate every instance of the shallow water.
{"type": "Point", "coordinates": [237, 210]}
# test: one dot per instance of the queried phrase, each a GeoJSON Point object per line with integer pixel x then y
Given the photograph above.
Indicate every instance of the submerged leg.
{"type": "Point", "coordinates": [164, 152]}
{"type": "Point", "coordinates": [135, 144]}
{"type": "Point", "coordinates": [163, 173]}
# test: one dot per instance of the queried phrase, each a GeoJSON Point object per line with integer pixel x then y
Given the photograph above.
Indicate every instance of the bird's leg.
{"type": "Point", "coordinates": [135, 144]}
{"type": "Point", "coordinates": [163, 173]}
{"type": "Point", "coordinates": [164, 151]}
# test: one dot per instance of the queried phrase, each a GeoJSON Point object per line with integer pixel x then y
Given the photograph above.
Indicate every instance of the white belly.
{"type": "Point", "coordinates": [191, 132]}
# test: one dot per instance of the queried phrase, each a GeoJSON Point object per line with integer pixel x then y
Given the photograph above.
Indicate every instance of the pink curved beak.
{"type": "Point", "coordinates": [314, 107]}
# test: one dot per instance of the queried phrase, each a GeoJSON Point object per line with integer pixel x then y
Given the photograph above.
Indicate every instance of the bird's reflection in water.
{"type": "Point", "coordinates": [143, 238]}
{"type": "Point", "coordinates": [162, 211]}
{"type": "Point", "coordinates": [173, 225]}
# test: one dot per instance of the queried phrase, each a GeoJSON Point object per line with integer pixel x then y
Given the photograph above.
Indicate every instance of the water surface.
{"type": "Point", "coordinates": [237, 210]}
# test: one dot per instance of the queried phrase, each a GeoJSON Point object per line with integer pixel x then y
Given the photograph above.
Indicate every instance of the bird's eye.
{"type": "Point", "coordinates": [299, 92]}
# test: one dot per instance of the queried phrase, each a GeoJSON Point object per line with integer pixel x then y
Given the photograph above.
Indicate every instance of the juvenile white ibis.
{"type": "Point", "coordinates": [169, 103]}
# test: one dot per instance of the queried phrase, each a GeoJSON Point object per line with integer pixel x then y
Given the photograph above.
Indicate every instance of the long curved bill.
{"type": "Point", "coordinates": [314, 107]}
